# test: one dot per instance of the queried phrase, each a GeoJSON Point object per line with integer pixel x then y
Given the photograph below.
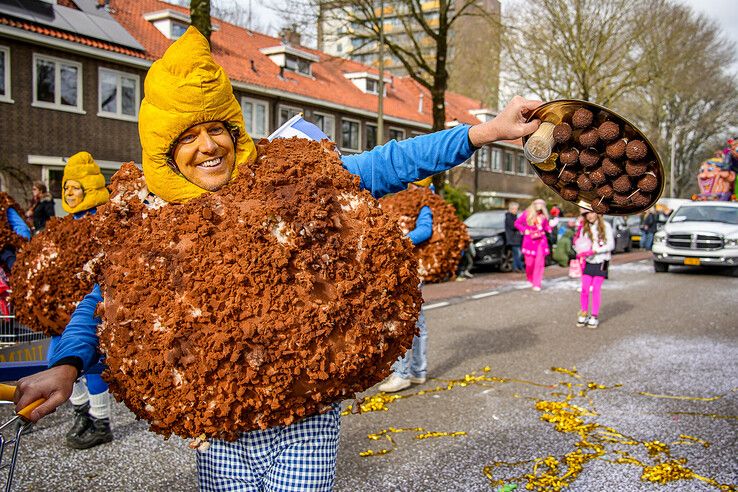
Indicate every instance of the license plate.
{"type": "Point", "coordinates": [635, 238]}
{"type": "Point", "coordinates": [691, 261]}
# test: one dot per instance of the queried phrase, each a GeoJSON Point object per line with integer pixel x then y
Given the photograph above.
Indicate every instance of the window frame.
{"type": "Point", "coordinates": [57, 83]}
{"type": "Point", "coordinates": [494, 151]}
{"type": "Point", "coordinates": [7, 97]}
{"type": "Point", "coordinates": [351, 120]}
{"type": "Point", "coordinates": [253, 101]}
{"type": "Point", "coordinates": [325, 117]}
{"type": "Point", "coordinates": [280, 107]}
{"type": "Point", "coordinates": [366, 140]}
{"type": "Point", "coordinates": [506, 153]}
{"type": "Point", "coordinates": [521, 160]}
{"type": "Point", "coordinates": [399, 130]}
{"type": "Point", "coordinates": [119, 103]}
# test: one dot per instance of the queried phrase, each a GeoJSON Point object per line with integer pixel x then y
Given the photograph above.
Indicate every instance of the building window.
{"type": "Point", "coordinates": [496, 160]}
{"type": "Point", "coordinates": [255, 117]}
{"type": "Point", "coordinates": [57, 83]}
{"type": "Point", "coordinates": [327, 123]}
{"type": "Point", "coordinates": [396, 134]}
{"type": "Point", "coordinates": [118, 94]}
{"type": "Point", "coordinates": [287, 112]}
{"type": "Point", "coordinates": [483, 159]}
{"type": "Point", "coordinates": [350, 135]}
{"type": "Point", "coordinates": [177, 30]}
{"type": "Point", "coordinates": [509, 165]}
{"type": "Point", "coordinates": [522, 165]}
{"type": "Point", "coordinates": [372, 86]}
{"type": "Point", "coordinates": [371, 136]}
{"type": "Point", "coordinates": [5, 74]}
{"type": "Point", "coordinates": [296, 64]}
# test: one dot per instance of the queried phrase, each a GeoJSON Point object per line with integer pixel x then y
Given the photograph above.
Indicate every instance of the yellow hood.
{"type": "Point", "coordinates": [82, 168]}
{"type": "Point", "coordinates": [185, 88]}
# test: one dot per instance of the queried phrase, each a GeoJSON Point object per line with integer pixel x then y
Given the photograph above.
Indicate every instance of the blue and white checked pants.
{"type": "Point", "coordinates": [297, 457]}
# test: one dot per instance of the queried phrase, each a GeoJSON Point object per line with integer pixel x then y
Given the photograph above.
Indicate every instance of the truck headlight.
{"type": "Point", "coordinates": [659, 239]}
{"type": "Point", "coordinates": [731, 243]}
{"type": "Point", "coordinates": [489, 241]}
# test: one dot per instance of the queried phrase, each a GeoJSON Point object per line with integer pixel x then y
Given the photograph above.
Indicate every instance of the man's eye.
{"type": "Point", "coordinates": [216, 130]}
{"type": "Point", "coordinates": [187, 139]}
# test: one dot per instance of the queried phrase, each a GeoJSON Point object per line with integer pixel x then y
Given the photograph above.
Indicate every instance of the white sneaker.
{"type": "Point", "coordinates": [419, 380]}
{"type": "Point", "coordinates": [593, 322]}
{"type": "Point", "coordinates": [582, 318]}
{"type": "Point", "coordinates": [394, 383]}
{"type": "Point", "coordinates": [536, 289]}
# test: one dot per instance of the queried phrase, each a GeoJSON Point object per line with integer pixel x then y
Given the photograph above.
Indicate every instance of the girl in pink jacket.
{"type": "Point", "coordinates": [533, 224]}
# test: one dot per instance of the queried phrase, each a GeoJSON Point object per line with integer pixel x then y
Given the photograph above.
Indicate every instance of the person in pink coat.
{"type": "Point", "coordinates": [533, 224]}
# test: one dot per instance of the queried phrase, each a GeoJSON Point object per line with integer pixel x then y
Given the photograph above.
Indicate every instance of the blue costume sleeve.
{"type": "Point", "coordinates": [18, 224]}
{"type": "Point", "coordinates": [390, 167]}
{"type": "Point", "coordinates": [79, 339]}
{"type": "Point", "coordinates": [423, 227]}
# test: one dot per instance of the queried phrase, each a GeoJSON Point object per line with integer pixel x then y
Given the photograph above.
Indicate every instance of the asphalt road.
{"type": "Point", "coordinates": [664, 362]}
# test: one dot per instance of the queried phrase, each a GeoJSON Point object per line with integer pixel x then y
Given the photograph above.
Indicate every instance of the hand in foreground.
{"type": "Point", "coordinates": [509, 124]}
{"type": "Point", "coordinates": [55, 385]}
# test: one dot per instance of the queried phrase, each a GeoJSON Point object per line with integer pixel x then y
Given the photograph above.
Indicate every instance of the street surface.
{"type": "Point", "coordinates": [663, 401]}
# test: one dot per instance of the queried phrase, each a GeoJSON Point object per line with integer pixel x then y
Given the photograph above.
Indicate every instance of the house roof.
{"type": "Point", "coordinates": [238, 50]}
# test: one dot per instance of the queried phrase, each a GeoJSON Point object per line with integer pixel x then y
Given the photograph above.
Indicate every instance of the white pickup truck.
{"type": "Point", "coordinates": [699, 233]}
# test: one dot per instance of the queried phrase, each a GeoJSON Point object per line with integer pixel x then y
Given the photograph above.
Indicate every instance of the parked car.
{"type": "Point", "coordinates": [621, 232]}
{"type": "Point", "coordinates": [487, 232]}
{"type": "Point", "coordinates": [699, 233]}
{"type": "Point", "coordinates": [634, 228]}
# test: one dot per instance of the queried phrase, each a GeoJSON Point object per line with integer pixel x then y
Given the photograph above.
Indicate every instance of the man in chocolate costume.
{"type": "Point", "coordinates": [193, 139]}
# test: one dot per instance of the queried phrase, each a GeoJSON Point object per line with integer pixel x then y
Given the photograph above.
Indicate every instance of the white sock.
{"type": "Point", "coordinates": [100, 405]}
{"type": "Point", "coordinates": [79, 393]}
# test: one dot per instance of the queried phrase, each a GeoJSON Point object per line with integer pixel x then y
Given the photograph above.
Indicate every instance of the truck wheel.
{"type": "Point", "coordinates": [660, 267]}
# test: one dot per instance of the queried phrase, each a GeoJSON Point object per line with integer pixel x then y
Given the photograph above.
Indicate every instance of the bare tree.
{"type": "Point", "coordinates": [200, 17]}
{"type": "Point", "coordinates": [670, 79]}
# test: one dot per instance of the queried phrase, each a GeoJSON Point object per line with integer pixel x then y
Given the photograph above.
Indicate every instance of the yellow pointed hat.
{"type": "Point", "coordinates": [82, 168]}
{"type": "Point", "coordinates": [185, 88]}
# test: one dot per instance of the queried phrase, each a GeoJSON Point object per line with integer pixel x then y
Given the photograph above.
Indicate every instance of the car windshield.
{"type": "Point", "coordinates": [486, 220]}
{"type": "Point", "coordinates": [727, 215]}
{"type": "Point", "coordinates": [634, 220]}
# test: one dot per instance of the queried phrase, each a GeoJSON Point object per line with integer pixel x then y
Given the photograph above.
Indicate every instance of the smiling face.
{"type": "Point", "coordinates": [73, 193]}
{"type": "Point", "coordinates": [205, 155]}
{"type": "Point", "coordinates": [591, 217]}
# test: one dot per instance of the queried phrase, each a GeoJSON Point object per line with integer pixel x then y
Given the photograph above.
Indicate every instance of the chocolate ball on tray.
{"type": "Point", "coordinates": [608, 131]}
{"type": "Point", "coordinates": [569, 157]}
{"type": "Point", "coordinates": [569, 193]}
{"type": "Point", "coordinates": [620, 199]}
{"type": "Point", "coordinates": [584, 183]}
{"type": "Point", "coordinates": [611, 168]}
{"type": "Point", "coordinates": [616, 150]}
{"type": "Point", "coordinates": [635, 168]}
{"type": "Point", "coordinates": [622, 184]}
{"type": "Point", "coordinates": [605, 191]}
{"type": "Point", "coordinates": [648, 183]}
{"type": "Point", "coordinates": [550, 178]}
{"type": "Point", "coordinates": [562, 133]}
{"type": "Point", "coordinates": [597, 176]}
{"type": "Point", "coordinates": [600, 207]}
{"type": "Point", "coordinates": [589, 157]}
{"type": "Point", "coordinates": [582, 118]}
{"type": "Point", "coordinates": [567, 176]}
{"type": "Point", "coordinates": [640, 199]}
{"type": "Point", "coordinates": [589, 137]}
{"type": "Point", "coordinates": [636, 150]}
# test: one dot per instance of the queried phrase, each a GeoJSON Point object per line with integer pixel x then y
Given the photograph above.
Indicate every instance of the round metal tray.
{"type": "Point", "coordinates": [561, 110]}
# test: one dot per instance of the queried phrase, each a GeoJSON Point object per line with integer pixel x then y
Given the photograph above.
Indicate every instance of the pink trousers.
{"type": "Point", "coordinates": [534, 267]}
{"type": "Point", "coordinates": [596, 284]}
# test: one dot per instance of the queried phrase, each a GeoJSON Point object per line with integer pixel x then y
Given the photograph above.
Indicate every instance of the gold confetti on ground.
{"type": "Point", "coordinates": [676, 397]}
{"type": "Point", "coordinates": [386, 434]}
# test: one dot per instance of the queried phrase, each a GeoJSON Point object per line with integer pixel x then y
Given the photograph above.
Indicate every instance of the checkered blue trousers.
{"type": "Point", "coordinates": [297, 457]}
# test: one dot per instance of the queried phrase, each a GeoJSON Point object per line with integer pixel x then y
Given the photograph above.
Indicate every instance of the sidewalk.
{"type": "Point", "coordinates": [487, 281]}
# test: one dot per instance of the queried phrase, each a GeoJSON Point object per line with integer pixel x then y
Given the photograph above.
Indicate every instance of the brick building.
{"type": "Point", "coordinates": [72, 79]}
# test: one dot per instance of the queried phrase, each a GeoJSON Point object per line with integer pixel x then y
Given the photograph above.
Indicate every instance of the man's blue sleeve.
{"type": "Point", "coordinates": [423, 227]}
{"type": "Point", "coordinates": [18, 225]}
{"type": "Point", "coordinates": [390, 167]}
{"type": "Point", "coordinates": [79, 339]}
